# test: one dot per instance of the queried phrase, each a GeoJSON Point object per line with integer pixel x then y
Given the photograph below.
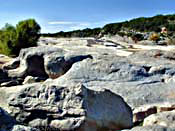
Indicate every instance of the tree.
{"type": "Point", "coordinates": [27, 33]}
{"type": "Point", "coordinates": [12, 40]}
{"type": "Point", "coordinates": [7, 37]}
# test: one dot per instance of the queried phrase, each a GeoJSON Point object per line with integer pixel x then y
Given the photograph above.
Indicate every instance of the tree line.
{"type": "Point", "coordinates": [142, 24]}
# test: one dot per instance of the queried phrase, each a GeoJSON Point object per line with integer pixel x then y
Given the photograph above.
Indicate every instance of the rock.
{"type": "Point", "coordinates": [32, 61]}
{"type": "Point", "coordinates": [151, 128]}
{"type": "Point", "coordinates": [140, 113]}
{"type": "Point", "coordinates": [10, 83]}
{"type": "Point", "coordinates": [6, 121]}
{"type": "Point", "coordinates": [30, 79]}
{"type": "Point", "coordinates": [91, 42]}
{"type": "Point", "coordinates": [13, 64]}
{"type": "Point", "coordinates": [43, 62]}
{"type": "Point", "coordinates": [109, 44]}
{"type": "Point", "coordinates": [166, 119]}
{"type": "Point", "coordinates": [57, 65]}
{"type": "Point", "coordinates": [68, 107]}
{"type": "Point", "coordinates": [131, 77]}
{"type": "Point", "coordinates": [23, 128]}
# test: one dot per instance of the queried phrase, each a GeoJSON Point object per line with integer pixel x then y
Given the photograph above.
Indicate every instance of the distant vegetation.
{"type": "Point", "coordinates": [77, 33]}
{"type": "Point", "coordinates": [13, 39]}
{"type": "Point", "coordinates": [152, 24]}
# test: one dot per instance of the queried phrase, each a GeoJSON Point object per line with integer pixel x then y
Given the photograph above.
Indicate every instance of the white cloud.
{"type": "Point", "coordinates": [69, 23]}
{"type": "Point", "coordinates": [56, 26]}
{"type": "Point", "coordinates": [60, 23]}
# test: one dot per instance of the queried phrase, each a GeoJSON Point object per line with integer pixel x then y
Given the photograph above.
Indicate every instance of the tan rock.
{"type": "Point", "coordinates": [166, 119]}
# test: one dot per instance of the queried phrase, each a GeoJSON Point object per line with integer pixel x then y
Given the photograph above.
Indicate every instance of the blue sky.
{"type": "Point", "coordinates": [66, 15]}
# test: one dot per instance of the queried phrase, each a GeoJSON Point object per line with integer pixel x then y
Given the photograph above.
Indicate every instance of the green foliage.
{"type": "Point", "coordinates": [137, 37]}
{"type": "Point", "coordinates": [77, 33]}
{"type": "Point", "coordinates": [7, 39]}
{"type": "Point", "coordinates": [27, 33]}
{"type": "Point", "coordinates": [13, 39]}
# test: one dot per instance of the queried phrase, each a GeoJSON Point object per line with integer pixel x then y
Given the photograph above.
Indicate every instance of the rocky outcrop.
{"type": "Point", "coordinates": [42, 62]}
{"type": "Point", "coordinates": [108, 76]}
{"type": "Point", "coordinates": [132, 77]}
{"type": "Point", "coordinates": [31, 62]}
{"type": "Point", "coordinates": [67, 107]}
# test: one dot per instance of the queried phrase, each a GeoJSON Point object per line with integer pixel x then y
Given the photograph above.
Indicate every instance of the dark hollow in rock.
{"type": "Point", "coordinates": [36, 66]}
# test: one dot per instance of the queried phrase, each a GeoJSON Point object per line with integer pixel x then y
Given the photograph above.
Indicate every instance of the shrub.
{"type": "Point", "coordinates": [7, 39]}
{"type": "Point", "coordinates": [137, 37]}
{"type": "Point", "coordinates": [154, 37]}
{"type": "Point", "coordinates": [12, 40]}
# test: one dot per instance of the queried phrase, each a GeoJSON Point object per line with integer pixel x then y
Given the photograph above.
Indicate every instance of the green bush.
{"type": "Point", "coordinates": [24, 35]}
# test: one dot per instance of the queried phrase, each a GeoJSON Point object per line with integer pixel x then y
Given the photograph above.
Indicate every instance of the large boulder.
{"type": "Point", "coordinates": [72, 107]}
{"type": "Point", "coordinates": [43, 62]}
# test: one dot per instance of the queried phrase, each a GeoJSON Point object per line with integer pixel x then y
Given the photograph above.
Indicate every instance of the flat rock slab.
{"type": "Point", "coordinates": [135, 77]}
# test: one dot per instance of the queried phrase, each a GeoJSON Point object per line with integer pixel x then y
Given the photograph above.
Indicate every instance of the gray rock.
{"type": "Point", "coordinates": [91, 42]}
{"type": "Point", "coordinates": [57, 65]}
{"type": "Point", "coordinates": [32, 61]}
{"type": "Point", "coordinates": [43, 62]}
{"type": "Point", "coordinates": [129, 77]}
{"type": "Point", "coordinates": [69, 107]}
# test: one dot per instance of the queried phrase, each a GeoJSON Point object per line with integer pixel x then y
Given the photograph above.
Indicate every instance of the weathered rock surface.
{"type": "Point", "coordinates": [66, 108]}
{"type": "Point", "coordinates": [56, 65]}
{"type": "Point", "coordinates": [151, 128]}
{"type": "Point", "coordinates": [166, 119]}
{"type": "Point", "coordinates": [128, 76]}
{"type": "Point", "coordinates": [144, 79]}
{"type": "Point", "coordinates": [140, 113]}
{"type": "Point", "coordinates": [43, 62]}
{"type": "Point", "coordinates": [24, 128]}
